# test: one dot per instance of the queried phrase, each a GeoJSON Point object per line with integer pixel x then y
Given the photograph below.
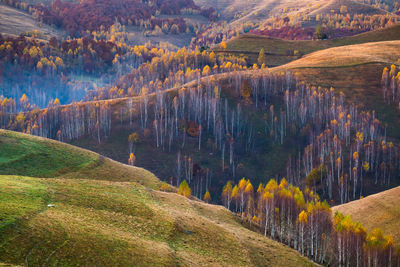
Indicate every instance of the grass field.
{"type": "Point", "coordinates": [278, 50]}
{"type": "Point", "coordinates": [379, 210]}
{"type": "Point", "coordinates": [113, 220]}
{"type": "Point", "coordinates": [14, 22]}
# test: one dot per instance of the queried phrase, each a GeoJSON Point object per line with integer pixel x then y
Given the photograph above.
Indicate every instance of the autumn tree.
{"type": "Point", "coordinates": [133, 138]}
{"type": "Point", "coordinates": [261, 57]}
{"type": "Point", "coordinates": [227, 195]}
{"type": "Point", "coordinates": [207, 197]}
{"type": "Point", "coordinates": [184, 189]}
{"type": "Point", "coordinates": [132, 159]}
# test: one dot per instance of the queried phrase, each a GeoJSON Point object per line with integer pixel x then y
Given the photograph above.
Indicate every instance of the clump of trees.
{"type": "Point", "coordinates": [391, 85]}
{"type": "Point", "coordinates": [304, 222]}
{"type": "Point", "coordinates": [184, 189]}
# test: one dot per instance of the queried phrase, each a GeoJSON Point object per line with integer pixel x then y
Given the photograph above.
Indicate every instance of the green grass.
{"type": "Point", "coordinates": [22, 156]}
{"type": "Point", "coordinates": [26, 155]}
{"type": "Point", "coordinates": [19, 196]}
{"type": "Point", "coordinates": [98, 219]}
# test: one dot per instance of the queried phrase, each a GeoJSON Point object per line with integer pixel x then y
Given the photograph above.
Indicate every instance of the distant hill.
{"type": "Point", "coordinates": [353, 7]}
{"type": "Point", "coordinates": [355, 70]}
{"type": "Point", "coordinates": [280, 51]}
{"type": "Point", "coordinates": [379, 210]}
{"type": "Point", "coordinates": [15, 22]}
{"type": "Point", "coordinates": [90, 210]}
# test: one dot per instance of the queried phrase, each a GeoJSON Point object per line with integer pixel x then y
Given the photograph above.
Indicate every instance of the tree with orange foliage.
{"type": "Point", "coordinates": [207, 197]}
{"type": "Point", "coordinates": [132, 159]}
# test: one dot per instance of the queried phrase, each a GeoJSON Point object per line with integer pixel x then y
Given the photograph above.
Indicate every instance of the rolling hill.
{"type": "Point", "coordinates": [280, 51]}
{"type": "Point", "coordinates": [90, 210]}
{"type": "Point", "coordinates": [14, 22]}
{"type": "Point", "coordinates": [355, 70]}
{"type": "Point", "coordinates": [377, 52]}
{"type": "Point", "coordinates": [379, 210]}
{"type": "Point", "coordinates": [353, 7]}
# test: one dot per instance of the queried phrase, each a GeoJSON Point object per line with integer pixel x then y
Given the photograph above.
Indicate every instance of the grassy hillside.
{"type": "Point", "coordinates": [356, 71]}
{"type": "Point", "coordinates": [353, 7]}
{"type": "Point", "coordinates": [376, 52]}
{"type": "Point", "coordinates": [278, 51]}
{"type": "Point", "coordinates": [380, 210]}
{"type": "Point", "coordinates": [15, 22]}
{"type": "Point", "coordinates": [112, 219]}
{"type": "Point", "coordinates": [38, 157]}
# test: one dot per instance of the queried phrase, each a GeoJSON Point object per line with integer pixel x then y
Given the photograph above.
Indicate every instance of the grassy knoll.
{"type": "Point", "coordinates": [38, 157]}
{"type": "Point", "coordinates": [116, 221]}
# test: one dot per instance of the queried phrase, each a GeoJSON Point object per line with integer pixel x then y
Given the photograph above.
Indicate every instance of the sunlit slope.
{"type": "Point", "coordinates": [379, 210]}
{"type": "Point", "coordinates": [26, 155]}
{"type": "Point", "coordinates": [278, 51]}
{"type": "Point", "coordinates": [356, 71]}
{"type": "Point", "coordinates": [353, 7]}
{"type": "Point", "coordinates": [377, 52]}
{"type": "Point", "coordinates": [116, 221]}
{"type": "Point", "coordinates": [16, 22]}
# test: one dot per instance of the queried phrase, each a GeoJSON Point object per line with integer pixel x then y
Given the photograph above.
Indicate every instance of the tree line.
{"type": "Point", "coordinates": [302, 221]}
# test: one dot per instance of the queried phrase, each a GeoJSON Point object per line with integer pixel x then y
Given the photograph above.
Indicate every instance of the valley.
{"type": "Point", "coordinates": [199, 133]}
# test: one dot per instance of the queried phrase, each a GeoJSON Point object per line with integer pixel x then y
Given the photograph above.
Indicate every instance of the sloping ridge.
{"type": "Point", "coordinates": [352, 8]}
{"type": "Point", "coordinates": [376, 52]}
{"type": "Point", "coordinates": [81, 217]}
{"type": "Point", "coordinates": [379, 210]}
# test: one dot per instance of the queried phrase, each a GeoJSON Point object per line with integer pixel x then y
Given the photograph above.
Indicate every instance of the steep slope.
{"type": "Point", "coordinates": [112, 220]}
{"type": "Point", "coordinates": [379, 210]}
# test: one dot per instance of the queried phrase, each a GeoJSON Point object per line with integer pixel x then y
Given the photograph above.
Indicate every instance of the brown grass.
{"type": "Point", "coordinates": [378, 210]}
{"type": "Point", "coordinates": [378, 52]}
{"type": "Point", "coordinates": [14, 22]}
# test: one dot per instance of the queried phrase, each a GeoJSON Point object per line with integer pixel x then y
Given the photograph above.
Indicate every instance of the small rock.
{"type": "Point", "coordinates": [188, 232]}
{"type": "Point", "coordinates": [51, 205]}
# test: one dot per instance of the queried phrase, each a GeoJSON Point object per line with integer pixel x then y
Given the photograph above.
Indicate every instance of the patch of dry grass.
{"type": "Point", "coordinates": [379, 210]}
{"type": "Point", "coordinates": [378, 52]}
{"type": "Point", "coordinates": [14, 22]}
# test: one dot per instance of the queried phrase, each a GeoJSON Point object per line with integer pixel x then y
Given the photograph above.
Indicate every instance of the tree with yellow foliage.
{"type": "Point", "coordinates": [184, 189]}
{"type": "Point", "coordinates": [207, 197]}
{"type": "Point", "coordinates": [132, 159]}
{"type": "Point", "coordinates": [303, 218]}
{"type": "Point", "coordinates": [223, 45]}
{"type": "Point", "coordinates": [261, 57]}
{"type": "Point", "coordinates": [227, 195]}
